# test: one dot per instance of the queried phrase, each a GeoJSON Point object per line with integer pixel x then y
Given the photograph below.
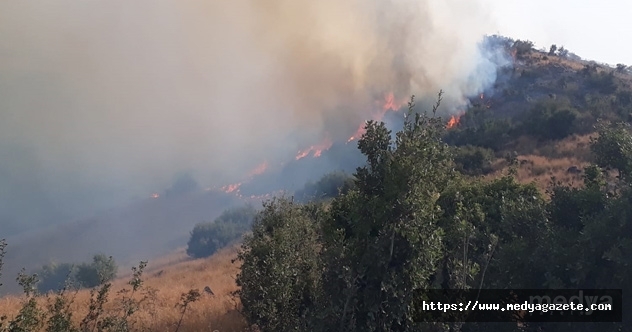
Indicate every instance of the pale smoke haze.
{"type": "Point", "coordinates": [103, 100]}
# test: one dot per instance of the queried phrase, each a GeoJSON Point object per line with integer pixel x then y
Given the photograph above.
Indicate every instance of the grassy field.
{"type": "Point", "coordinates": [166, 280]}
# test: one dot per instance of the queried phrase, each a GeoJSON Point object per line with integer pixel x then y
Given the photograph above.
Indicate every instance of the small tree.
{"type": "Point", "coordinates": [102, 269]}
{"type": "Point", "coordinates": [280, 270]}
{"type": "Point", "coordinates": [613, 148]}
{"type": "Point", "coordinates": [562, 52]}
{"type": "Point", "coordinates": [207, 238]}
{"type": "Point", "coordinates": [553, 49]}
{"type": "Point", "coordinates": [382, 240]}
{"type": "Point", "coordinates": [621, 68]}
{"type": "Point", "coordinates": [523, 47]}
{"type": "Point", "coordinates": [473, 160]}
{"type": "Point", "coordinates": [54, 277]}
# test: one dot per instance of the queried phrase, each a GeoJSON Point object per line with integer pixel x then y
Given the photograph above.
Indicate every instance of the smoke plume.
{"type": "Point", "coordinates": [103, 100]}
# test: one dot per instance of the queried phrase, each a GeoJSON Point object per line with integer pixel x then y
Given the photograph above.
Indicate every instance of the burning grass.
{"type": "Point", "coordinates": [166, 280]}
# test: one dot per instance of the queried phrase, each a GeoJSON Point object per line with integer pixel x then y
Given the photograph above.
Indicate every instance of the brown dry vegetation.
{"type": "Point", "coordinates": [167, 279]}
{"type": "Point", "coordinates": [547, 161]}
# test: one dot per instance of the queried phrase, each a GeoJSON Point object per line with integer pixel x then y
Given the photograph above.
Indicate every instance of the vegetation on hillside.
{"type": "Point", "coordinates": [55, 277]}
{"type": "Point", "coordinates": [328, 186]}
{"type": "Point", "coordinates": [413, 223]}
{"type": "Point", "coordinates": [430, 209]}
{"type": "Point", "coordinates": [207, 238]}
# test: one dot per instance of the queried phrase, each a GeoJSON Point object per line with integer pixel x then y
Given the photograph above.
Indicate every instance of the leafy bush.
{"type": "Point", "coordinates": [279, 279]}
{"type": "Point", "coordinates": [473, 160]}
{"type": "Point", "coordinates": [102, 269]}
{"type": "Point", "coordinates": [523, 47]}
{"type": "Point", "coordinates": [492, 134]}
{"type": "Point", "coordinates": [621, 67]}
{"type": "Point", "coordinates": [549, 120]}
{"type": "Point", "coordinates": [603, 82]}
{"type": "Point", "coordinates": [207, 238]}
{"type": "Point", "coordinates": [54, 277]}
{"type": "Point", "coordinates": [613, 147]}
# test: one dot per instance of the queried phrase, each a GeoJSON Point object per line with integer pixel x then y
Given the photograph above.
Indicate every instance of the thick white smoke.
{"type": "Point", "coordinates": [101, 100]}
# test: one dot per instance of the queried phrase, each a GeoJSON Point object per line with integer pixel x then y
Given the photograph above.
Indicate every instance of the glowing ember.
{"type": "Point", "coordinates": [235, 188]}
{"type": "Point", "coordinates": [155, 195]}
{"type": "Point", "coordinates": [231, 188]}
{"type": "Point", "coordinates": [315, 150]}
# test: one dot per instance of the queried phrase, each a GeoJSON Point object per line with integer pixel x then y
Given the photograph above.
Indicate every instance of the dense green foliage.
{"type": "Point", "coordinates": [412, 222]}
{"type": "Point", "coordinates": [550, 120]}
{"type": "Point", "coordinates": [207, 238]}
{"type": "Point", "coordinates": [473, 160]}
{"type": "Point", "coordinates": [280, 272]}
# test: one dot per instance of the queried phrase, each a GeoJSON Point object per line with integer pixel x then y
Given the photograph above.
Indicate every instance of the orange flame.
{"type": "Point", "coordinates": [259, 169]}
{"type": "Point", "coordinates": [361, 130]}
{"type": "Point", "coordinates": [155, 195]}
{"type": "Point", "coordinates": [482, 96]}
{"type": "Point", "coordinates": [389, 104]}
{"type": "Point", "coordinates": [454, 121]}
{"type": "Point", "coordinates": [315, 150]}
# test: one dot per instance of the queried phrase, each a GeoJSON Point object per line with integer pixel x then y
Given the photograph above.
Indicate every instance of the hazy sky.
{"type": "Point", "coordinates": [594, 30]}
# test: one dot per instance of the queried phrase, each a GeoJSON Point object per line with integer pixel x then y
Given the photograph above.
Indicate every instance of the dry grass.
{"type": "Point", "coordinates": [547, 161]}
{"type": "Point", "coordinates": [539, 170]}
{"type": "Point", "coordinates": [573, 147]}
{"type": "Point", "coordinates": [168, 278]}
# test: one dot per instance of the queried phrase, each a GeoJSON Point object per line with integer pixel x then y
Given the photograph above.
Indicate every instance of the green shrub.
{"type": "Point", "coordinates": [473, 160]}
{"type": "Point", "coordinates": [280, 270]}
{"type": "Point", "coordinates": [206, 238]}
{"type": "Point", "coordinates": [549, 120]}
{"type": "Point", "coordinates": [603, 82]}
{"type": "Point", "coordinates": [492, 134]}
{"type": "Point", "coordinates": [55, 277]}
{"type": "Point", "coordinates": [102, 269]}
{"type": "Point", "coordinates": [523, 47]}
